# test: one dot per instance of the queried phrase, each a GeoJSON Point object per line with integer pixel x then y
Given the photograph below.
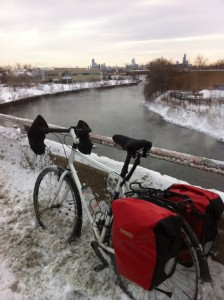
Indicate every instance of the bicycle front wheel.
{"type": "Point", "coordinates": [64, 216]}
{"type": "Point", "coordinates": [182, 285]}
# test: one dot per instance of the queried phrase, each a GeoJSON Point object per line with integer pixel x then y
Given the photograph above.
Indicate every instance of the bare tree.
{"type": "Point", "coordinates": [28, 67]}
{"type": "Point", "coordinates": [18, 66]}
{"type": "Point", "coordinates": [161, 72]}
{"type": "Point", "coordinates": [219, 64]}
{"type": "Point", "coordinates": [201, 62]}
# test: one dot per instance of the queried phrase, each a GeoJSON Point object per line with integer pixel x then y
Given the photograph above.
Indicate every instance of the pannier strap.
{"type": "Point", "coordinates": [131, 144]}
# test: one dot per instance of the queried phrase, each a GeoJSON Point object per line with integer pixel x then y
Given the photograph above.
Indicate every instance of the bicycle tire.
{"type": "Point", "coordinates": [183, 284]}
{"type": "Point", "coordinates": [65, 219]}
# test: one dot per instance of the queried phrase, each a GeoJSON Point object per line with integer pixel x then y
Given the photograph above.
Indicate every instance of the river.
{"type": "Point", "coordinates": [120, 111]}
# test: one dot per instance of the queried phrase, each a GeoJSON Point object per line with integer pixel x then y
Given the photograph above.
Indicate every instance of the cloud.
{"type": "Point", "coordinates": [108, 29]}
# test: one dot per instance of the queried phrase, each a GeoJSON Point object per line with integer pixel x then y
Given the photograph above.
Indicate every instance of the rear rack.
{"type": "Point", "coordinates": [164, 198]}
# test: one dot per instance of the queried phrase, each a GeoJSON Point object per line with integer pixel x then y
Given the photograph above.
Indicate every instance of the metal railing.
{"type": "Point", "coordinates": [202, 163]}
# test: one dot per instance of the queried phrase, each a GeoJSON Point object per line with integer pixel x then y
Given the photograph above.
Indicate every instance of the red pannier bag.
{"type": "Point", "coordinates": [202, 213]}
{"type": "Point", "coordinates": [146, 240]}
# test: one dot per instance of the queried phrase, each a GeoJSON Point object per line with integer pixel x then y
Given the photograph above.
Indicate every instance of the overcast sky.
{"type": "Point", "coordinates": [72, 32]}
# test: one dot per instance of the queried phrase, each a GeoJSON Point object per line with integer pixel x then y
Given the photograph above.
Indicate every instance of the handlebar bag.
{"type": "Point", "coordinates": [36, 136]}
{"type": "Point", "coordinates": [146, 241]}
{"type": "Point", "coordinates": [203, 214]}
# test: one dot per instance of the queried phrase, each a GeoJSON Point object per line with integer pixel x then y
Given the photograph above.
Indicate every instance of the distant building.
{"type": "Point", "coordinates": [184, 64]}
{"type": "Point", "coordinates": [185, 60]}
{"type": "Point", "coordinates": [94, 65]}
{"type": "Point", "coordinates": [133, 65]}
{"type": "Point", "coordinates": [101, 67]}
{"type": "Point", "coordinates": [66, 75]}
{"type": "Point", "coordinates": [45, 75]}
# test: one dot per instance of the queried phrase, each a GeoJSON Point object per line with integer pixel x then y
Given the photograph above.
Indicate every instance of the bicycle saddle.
{"type": "Point", "coordinates": [130, 144]}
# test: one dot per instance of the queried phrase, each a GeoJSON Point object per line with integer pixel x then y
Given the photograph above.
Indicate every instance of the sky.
{"type": "Point", "coordinates": [72, 32]}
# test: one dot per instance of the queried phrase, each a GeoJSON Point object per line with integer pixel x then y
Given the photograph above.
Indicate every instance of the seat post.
{"type": "Point", "coordinates": [126, 164]}
{"type": "Point", "coordinates": [136, 163]}
{"type": "Point", "coordinates": [125, 167]}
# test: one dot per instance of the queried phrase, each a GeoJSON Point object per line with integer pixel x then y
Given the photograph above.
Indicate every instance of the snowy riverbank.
{"type": "Point", "coordinates": [11, 94]}
{"type": "Point", "coordinates": [205, 117]}
{"type": "Point", "coordinates": [37, 265]}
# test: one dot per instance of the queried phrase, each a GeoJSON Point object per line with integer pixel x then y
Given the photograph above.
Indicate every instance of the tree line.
{"type": "Point", "coordinates": [16, 75]}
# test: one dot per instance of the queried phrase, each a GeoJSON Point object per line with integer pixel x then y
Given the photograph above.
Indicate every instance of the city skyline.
{"type": "Point", "coordinates": [71, 33]}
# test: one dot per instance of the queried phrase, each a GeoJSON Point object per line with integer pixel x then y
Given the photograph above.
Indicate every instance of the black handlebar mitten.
{"type": "Point", "coordinates": [36, 136]}
{"type": "Point", "coordinates": [82, 131]}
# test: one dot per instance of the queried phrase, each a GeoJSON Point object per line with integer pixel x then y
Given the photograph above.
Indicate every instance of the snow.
{"type": "Point", "coordinates": [9, 94]}
{"type": "Point", "coordinates": [207, 94]}
{"type": "Point", "coordinates": [206, 117]}
{"type": "Point", "coordinates": [35, 264]}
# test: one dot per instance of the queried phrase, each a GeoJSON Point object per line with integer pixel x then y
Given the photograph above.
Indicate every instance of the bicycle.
{"type": "Point", "coordinates": [59, 201]}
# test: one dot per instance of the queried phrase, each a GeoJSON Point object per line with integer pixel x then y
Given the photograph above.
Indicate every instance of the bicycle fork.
{"type": "Point", "coordinates": [62, 176]}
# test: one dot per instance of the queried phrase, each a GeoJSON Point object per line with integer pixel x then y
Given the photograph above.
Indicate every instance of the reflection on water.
{"type": "Point", "coordinates": [119, 110]}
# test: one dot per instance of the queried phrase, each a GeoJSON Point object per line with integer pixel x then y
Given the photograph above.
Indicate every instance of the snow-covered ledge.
{"type": "Point", "coordinates": [202, 163]}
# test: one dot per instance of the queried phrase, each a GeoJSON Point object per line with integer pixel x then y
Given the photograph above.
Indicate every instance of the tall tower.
{"type": "Point", "coordinates": [185, 60]}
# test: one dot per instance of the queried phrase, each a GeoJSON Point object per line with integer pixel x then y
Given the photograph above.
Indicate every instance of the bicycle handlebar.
{"type": "Point", "coordinates": [53, 130]}
{"type": "Point", "coordinates": [39, 128]}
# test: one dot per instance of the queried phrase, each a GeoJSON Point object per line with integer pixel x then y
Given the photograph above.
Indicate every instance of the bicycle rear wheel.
{"type": "Point", "coordinates": [64, 217]}
{"type": "Point", "coordinates": [182, 285]}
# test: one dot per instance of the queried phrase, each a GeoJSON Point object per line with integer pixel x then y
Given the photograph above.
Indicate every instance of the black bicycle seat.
{"type": "Point", "coordinates": [130, 144]}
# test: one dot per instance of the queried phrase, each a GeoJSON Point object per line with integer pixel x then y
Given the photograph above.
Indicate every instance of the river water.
{"type": "Point", "coordinates": [120, 111]}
